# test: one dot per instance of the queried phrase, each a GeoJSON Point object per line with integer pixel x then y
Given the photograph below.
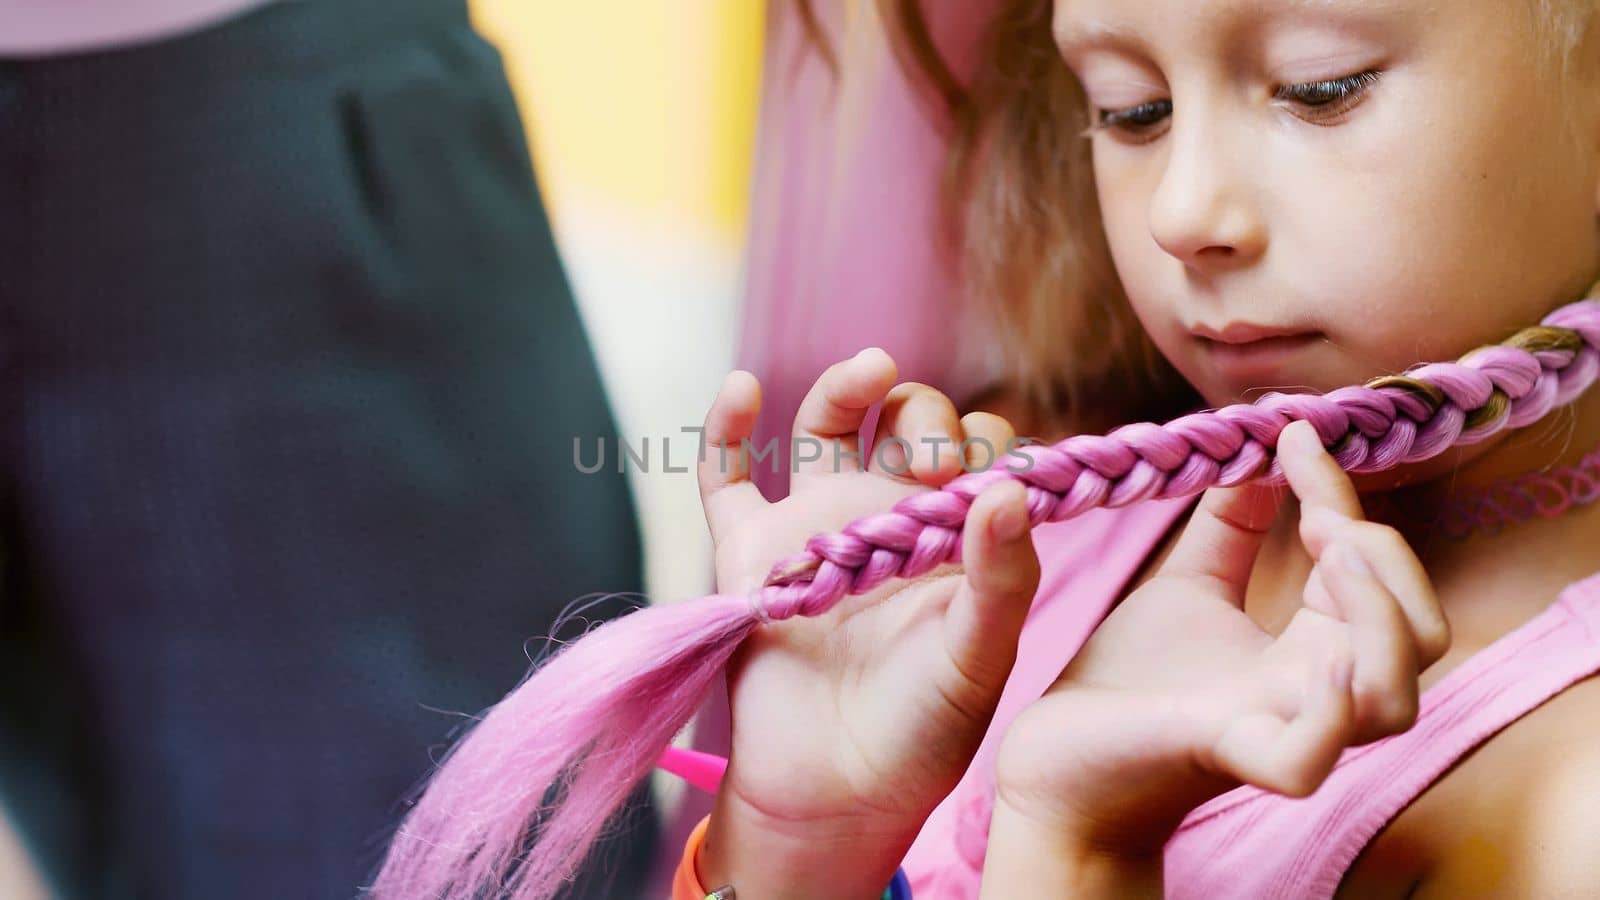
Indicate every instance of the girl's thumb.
{"type": "Point", "coordinates": [1002, 574]}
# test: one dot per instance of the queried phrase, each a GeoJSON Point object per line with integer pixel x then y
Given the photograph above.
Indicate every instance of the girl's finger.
{"type": "Point", "coordinates": [1293, 757]}
{"type": "Point", "coordinates": [826, 434]}
{"type": "Point", "coordinates": [919, 419]}
{"type": "Point", "coordinates": [1314, 475]}
{"type": "Point", "coordinates": [984, 619]}
{"type": "Point", "coordinates": [1384, 688]}
{"type": "Point", "coordinates": [989, 439]}
{"type": "Point", "coordinates": [1396, 566]}
{"type": "Point", "coordinates": [723, 467]}
{"type": "Point", "coordinates": [1224, 536]}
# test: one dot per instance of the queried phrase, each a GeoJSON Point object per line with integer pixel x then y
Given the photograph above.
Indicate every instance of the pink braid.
{"type": "Point", "coordinates": [1386, 423]}
{"type": "Point", "coordinates": [519, 801]}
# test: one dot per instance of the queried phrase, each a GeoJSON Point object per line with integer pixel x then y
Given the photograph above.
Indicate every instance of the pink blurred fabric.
{"type": "Point", "coordinates": [842, 248]}
{"type": "Point", "coordinates": [40, 27]}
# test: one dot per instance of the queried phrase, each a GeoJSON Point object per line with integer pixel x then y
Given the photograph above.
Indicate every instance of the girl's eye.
{"type": "Point", "coordinates": [1318, 102]}
{"type": "Point", "coordinates": [1136, 123]}
{"type": "Point", "coordinates": [1322, 102]}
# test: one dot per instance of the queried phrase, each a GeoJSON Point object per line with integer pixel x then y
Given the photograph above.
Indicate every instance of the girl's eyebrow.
{"type": "Point", "coordinates": [1088, 34]}
{"type": "Point", "coordinates": [1084, 35]}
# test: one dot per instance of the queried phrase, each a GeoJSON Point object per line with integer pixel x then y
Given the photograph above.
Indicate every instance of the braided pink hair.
{"type": "Point", "coordinates": [519, 801]}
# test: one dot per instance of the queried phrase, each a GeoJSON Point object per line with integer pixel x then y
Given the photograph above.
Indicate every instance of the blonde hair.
{"type": "Point", "coordinates": [1023, 212]}
{"type": "Point", "coordinates": [1024, 219]}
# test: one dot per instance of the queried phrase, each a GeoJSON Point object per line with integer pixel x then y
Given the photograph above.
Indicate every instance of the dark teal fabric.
{"type": "Point", "coordinates": [289, 381]}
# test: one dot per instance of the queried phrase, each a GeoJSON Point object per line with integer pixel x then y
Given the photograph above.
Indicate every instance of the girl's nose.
{"type": "Point", "coordinates": [1202, 213]}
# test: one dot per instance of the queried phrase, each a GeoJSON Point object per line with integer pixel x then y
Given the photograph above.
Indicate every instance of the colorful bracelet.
{"type": "Point", "coordinates": [686, 881]}
{"type": "Point", "coordinates": [704, 771]}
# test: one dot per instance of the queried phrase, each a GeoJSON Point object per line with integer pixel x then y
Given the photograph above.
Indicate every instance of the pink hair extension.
{"type": "Point", "coordinates": [516, 804]}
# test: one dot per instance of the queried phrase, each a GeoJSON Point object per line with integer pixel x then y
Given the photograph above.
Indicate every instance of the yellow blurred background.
{"type": "Point", "coordinates": [641, 115]}
{"type": "Point", "coordinates": [648, 104]}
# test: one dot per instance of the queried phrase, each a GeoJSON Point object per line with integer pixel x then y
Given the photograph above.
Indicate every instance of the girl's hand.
{"type": "Point", "coordinates": [849, 728]}
{"type": "Point", "coordinates": [1179, 695]}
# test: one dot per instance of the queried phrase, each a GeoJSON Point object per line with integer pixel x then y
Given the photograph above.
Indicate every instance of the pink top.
{"type": "Point", "coordinates": [1248, 843]}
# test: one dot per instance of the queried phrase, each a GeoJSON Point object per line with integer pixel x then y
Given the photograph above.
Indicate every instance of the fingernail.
{"type": "Point", "coordinates": [938, 448]}
{"type": "Point", "coordinates": [1308, 439]}
{"type": "Point", "coordinates": [1009, 522]}
{"type": "Point", "coordinates": [892, 457]}
{"type": "Point", "coordinates": [1351, 560]}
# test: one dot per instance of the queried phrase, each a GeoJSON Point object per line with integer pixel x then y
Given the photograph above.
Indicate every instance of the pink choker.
{"type": "Point", "coordinates": [1490, 508]}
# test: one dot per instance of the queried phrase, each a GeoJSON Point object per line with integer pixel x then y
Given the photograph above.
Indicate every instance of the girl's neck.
{"type": "Point", "coordinates": [1563, 439]}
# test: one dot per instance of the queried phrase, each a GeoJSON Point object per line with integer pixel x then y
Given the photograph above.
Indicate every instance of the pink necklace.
{"type": "Point", "coordinates": [1489, 508]}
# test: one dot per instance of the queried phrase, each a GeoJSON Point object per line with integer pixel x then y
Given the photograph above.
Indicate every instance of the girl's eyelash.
{"type": "Point", "coordinates": [1325, 99]}
{"type": "Point", "coordinates": [1128, 120]}
{"type": "Point", "coordinates": [1334, 90]}
{"type": "Point", "coordinates": [1133, 114]}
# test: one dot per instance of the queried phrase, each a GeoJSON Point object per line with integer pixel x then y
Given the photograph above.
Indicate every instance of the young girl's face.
{"type": "Point", "coordinates": [1303, 195]}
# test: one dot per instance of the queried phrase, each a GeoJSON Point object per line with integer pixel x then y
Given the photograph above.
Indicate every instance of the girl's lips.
{"type": "Point", "coordinates": [1246, 332]}
{"type": "Point", "coordinates": [1254, 358]}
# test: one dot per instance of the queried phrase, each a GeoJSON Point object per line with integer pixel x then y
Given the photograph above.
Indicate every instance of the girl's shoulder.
{"type": "Point", "coordinates": [1515, 818]}
{"type": "Point", "coordinates": [1514, 815]}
